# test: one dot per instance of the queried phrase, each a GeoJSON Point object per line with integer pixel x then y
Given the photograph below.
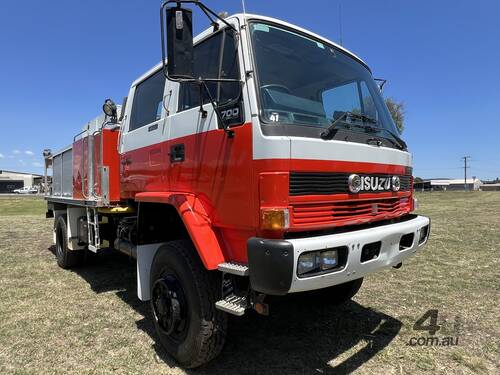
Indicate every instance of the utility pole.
{"type": "Point", "coordinates": [465, 171]}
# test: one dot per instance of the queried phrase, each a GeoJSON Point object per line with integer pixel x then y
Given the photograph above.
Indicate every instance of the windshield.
{"type": "Point", "coordinates": [305, 83]}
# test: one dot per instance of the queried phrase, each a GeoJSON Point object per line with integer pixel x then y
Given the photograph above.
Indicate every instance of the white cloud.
{"type": "Point", "coordinates": [16, 152]}
{"type": "Point", "coordinates": [37, 164]}
{"type": "Point", "coordinates": [28, 152]}
{"type": "Point", "coordinates": [21, 161]}
{"type": "Point", "coordinates": [1, 156]}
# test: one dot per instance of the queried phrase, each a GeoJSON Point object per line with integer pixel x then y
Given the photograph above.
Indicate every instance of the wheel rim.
{"type": "Point", "coordinates": [169, 306]}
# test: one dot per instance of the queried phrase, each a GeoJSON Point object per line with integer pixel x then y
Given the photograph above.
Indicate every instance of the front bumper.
{"type": "Point", "coordinates": [273, 263]}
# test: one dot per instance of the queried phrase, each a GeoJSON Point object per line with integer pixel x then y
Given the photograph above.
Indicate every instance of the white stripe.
{"type": "Point", "coordinates": [318, 149]}
{"type": "Point", "coordinates": [346, 151]}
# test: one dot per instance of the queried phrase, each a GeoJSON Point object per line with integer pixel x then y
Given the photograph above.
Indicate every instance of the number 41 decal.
{"type": "Point", "coordinates": [432, 327]}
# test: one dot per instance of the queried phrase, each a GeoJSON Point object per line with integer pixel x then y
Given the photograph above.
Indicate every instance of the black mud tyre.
{"type": "Point", "coordinates": [66, 258]}
{"type": "Point", "coordinates": [183, 296]}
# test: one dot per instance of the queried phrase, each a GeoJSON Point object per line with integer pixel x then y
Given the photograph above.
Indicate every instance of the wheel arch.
{"type": "Point", "coordinates": [194, 219]}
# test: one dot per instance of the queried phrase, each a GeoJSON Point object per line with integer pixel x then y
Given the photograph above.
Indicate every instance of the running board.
{"type": "Point", "coordinates": [232, 304]}
{"type": "Point", "coordinates": [233, 268]}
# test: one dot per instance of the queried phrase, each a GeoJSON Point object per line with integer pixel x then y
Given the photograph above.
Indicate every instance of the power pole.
{"type": "Point", "coordinates": [465, 171]}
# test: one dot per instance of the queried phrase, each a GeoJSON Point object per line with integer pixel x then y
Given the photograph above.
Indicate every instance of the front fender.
{"type": "Point", "coordinates": [196, 221]}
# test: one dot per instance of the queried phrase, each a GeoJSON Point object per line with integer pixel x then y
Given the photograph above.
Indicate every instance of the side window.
{"type": "Point", "coordinates": [206, 65]}
{"type": "Point", "coordinates": [229, 70]}
{"type": "Point", "coordinates": [209, 63]}
{"type": "Point", "coordinates": [148, 101]}
{"type": "Point", "coordinates": [340, 99]}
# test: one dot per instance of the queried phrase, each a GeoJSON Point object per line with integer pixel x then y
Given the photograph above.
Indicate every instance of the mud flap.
{"type": "Point", "coordinates": [145, 255]}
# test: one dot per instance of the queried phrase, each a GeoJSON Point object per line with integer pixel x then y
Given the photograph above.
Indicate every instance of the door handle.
{"type": "Point", "coordinates": [177, 153]}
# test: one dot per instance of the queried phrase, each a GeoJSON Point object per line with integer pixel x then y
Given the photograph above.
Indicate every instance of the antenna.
{"type": "Point", "coordinates": [244, 7]}
{"type": "Point", "coordinates": [340, 24]}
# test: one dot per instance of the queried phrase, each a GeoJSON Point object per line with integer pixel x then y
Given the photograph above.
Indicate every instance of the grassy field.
{"type": "Point", "coordinates": [90, 320]}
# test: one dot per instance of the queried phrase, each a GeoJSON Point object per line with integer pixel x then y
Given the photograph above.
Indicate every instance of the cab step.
{"type": "Point", "coordinates": [232, 304]}
{"type": "Point", "coordinates": [233, 268]}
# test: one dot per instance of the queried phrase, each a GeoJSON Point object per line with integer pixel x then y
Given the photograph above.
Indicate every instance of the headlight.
{"type": "Point", "coordinates": [307, 262]}
{"type": "Point", "coordinates": [328, 259]}
{"type": "Point", "coordinates": [318, 261]}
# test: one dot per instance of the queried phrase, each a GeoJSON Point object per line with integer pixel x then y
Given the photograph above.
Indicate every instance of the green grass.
{"type": "Point", "coordinates": [22, 205]}
{"type": "Point", "coordinates": [90, 321]}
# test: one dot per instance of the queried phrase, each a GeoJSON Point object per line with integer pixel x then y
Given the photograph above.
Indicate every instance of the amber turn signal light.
{"type": "Point", "coordinates": [274, 218]}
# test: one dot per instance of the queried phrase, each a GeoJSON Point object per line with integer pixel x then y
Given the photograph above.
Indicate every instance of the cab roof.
{"type": "Point", "coordinates": [243, 18]}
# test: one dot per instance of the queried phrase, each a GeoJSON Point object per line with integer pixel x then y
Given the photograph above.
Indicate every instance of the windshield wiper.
{"type": "Point", "coordinates": [397, 141]}
{"type": "Point", "coordinates": [328, 132]}
{"type": "Point", "coordinates": [362, 117]}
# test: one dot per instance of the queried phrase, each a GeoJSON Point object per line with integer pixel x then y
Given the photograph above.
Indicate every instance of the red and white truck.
{"type": "Point", "coordinates": [258, 159]}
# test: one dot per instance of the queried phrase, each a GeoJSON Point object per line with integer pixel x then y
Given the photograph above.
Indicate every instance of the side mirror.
{"type": "Point", "coordinates": [109, 108]}
{"type": "Point", "coordinates": [179, 42]}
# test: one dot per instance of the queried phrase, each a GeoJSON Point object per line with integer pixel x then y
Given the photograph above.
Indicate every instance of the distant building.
{"type": "Point", "coordinates": [490, 187]}
{"type": "Point", "coordinates": [446, 184]}
{"type": "Point", "coordinates": [10, 180]}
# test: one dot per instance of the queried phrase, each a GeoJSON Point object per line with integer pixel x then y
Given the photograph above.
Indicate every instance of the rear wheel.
{"type": "Point", "coordinates": [183, 296]}
{"type": "Point", "coordinates": [65, 258]}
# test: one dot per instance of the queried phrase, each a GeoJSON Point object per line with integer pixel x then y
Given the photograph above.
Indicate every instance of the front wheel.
{"type": "Point", "coordinates": [183, 296]}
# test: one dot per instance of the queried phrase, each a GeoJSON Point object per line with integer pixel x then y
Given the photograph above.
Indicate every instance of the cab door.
{"type": "Point", "coordinates": [142, 152]}
{"type": "Point", "coordinates": [204, 160]}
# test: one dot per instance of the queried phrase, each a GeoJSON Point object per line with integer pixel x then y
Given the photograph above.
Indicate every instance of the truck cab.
{"type": "Point", "coordinates": [295, 179]}
{"type": "Point", "coordinates": [273, 168]}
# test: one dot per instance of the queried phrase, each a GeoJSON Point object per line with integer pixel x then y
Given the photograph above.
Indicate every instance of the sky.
{"type": "Point", "coordinates": [60, 59]}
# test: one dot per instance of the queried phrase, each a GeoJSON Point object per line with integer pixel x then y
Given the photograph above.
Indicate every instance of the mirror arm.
{"type": "Point", "coordinates": [381, 84]}
{"type": "Point", "coordinates": [206, 9]}
{"type": "Point", "coordinates": [214, 24]}
{"type": "Point", "coordinates": [225, 127]}
{"type": "Point", "coordinates": [202, 110]}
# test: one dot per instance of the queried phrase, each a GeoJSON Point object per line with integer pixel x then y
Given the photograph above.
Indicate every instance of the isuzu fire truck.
{"type": "Point", "coordinates": [258, 159]}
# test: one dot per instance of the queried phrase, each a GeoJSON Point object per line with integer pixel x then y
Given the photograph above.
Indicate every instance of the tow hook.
{"type": "Point", "coordinates": [398, 266]}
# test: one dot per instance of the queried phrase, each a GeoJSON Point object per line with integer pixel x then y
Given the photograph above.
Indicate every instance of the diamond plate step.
{"type": "Point", "coordinates": [232, 304]}
{"type": "Point", "coordinates": [233, 268]}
